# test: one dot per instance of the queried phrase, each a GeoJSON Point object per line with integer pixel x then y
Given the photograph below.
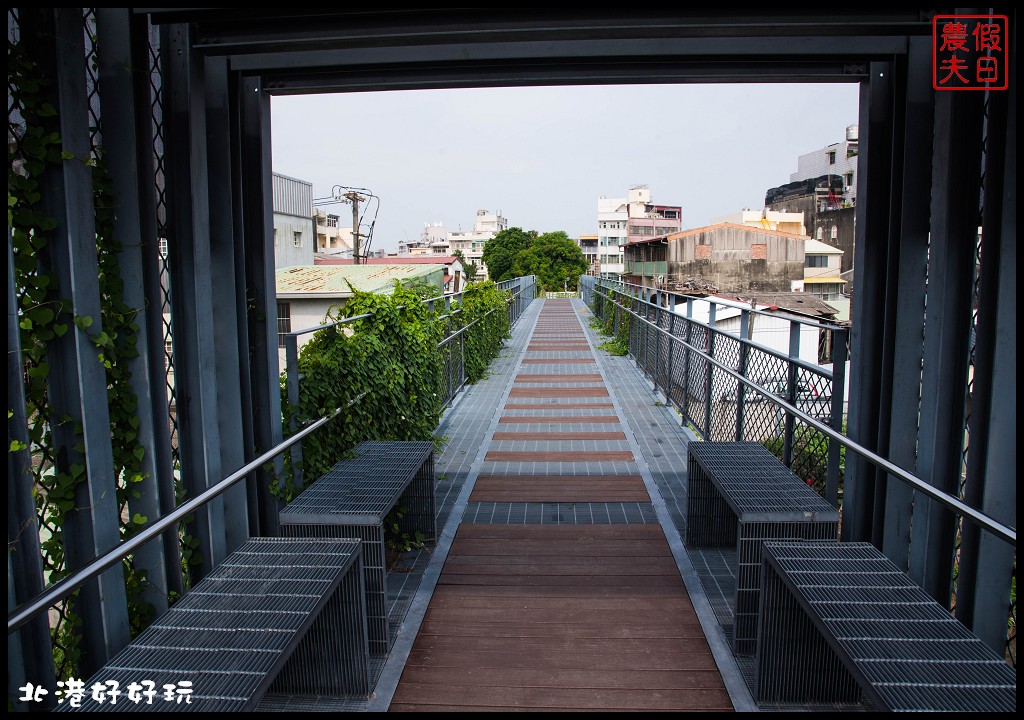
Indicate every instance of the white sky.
{"type": "Point", "coordinates": [544, 155]}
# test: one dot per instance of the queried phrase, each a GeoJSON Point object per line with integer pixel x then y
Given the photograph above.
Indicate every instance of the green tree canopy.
{"type": "Point", "coordinates": [554, 258]}
{"type": "Point", "coordinates": [501, 250]}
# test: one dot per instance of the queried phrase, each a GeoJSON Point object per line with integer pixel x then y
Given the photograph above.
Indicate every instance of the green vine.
{"type": "Point", "coordinates": [393, 357]}
{"type": "Point", "coordinates": [46, 318]}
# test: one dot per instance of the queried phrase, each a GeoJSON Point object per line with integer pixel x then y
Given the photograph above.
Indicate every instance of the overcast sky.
{"type": "Point", "coordinates": [543, 156]}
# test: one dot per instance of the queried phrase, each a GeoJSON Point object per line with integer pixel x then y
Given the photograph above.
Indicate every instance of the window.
{"type": "Point", "coordinates": [816, 261]}
{"type": "Point", "coordinates": [297, 238]}
{"type": "Point", "coordinates": [163, 247]}
{"type": "Point", "coordinates": [820, 233]}
{"type": "Point", "coordinates": [835, 232]}
{"type": "Point", "coordinates": [831, 157]}
{"type": "Point", "coordinates": [849, 179]}
{"type": "Point", "coordinates": [276, 241]}
{"type": "Point", "coordinates": [284, 322]}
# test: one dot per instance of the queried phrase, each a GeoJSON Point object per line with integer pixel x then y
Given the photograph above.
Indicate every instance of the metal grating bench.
{"type": "Point", "coordinates": [739, 494]}
{"type": "Point", "coordinates": [839, 619]}
{"type": "Point", "coordinates": [278, 614]}
{"type": "Point", "coordinates": [354, 498]}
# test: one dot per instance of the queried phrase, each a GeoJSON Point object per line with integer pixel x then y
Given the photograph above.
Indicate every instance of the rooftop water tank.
{"type": "Point", "coordinates": [852, 132]}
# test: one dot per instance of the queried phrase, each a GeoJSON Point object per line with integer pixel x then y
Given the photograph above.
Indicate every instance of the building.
{"type": "Point", "coordinates": [454, 278]}
{"type": "Point", "coordinates": [471, 243]}
{"type": "Point", "coordinates": [612, 220]}
{"type": "Point", "coordinates": [837, 159]}
{"type": "Point", "coordinates": [293, 221]}
{"type": "Point", "coordinates": [635, 218]}
{"type": "Point", "coordinates": [331, 237]}
{"type": "Point", "coordinates": [824, 188]}
{"type": "Point", "coordinates": [726, 257]}
{"type": "Point", "coordinates": [791, 222]}
{"type": "Point", "coordinates": [433, 237]}
{"type": "Point", "coordinates": [822, 277]}
{"type": "Point", "coordinates": [588, 245]}
{"type": "Point", "coordinates": [305, 295]}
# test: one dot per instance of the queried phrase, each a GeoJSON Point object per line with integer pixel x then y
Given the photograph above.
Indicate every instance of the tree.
{"type": "Point", "coordinates": [554, 258]}
{"type": "Point", "coordinates": [471, 270]}
{"type": "Point", "coordinates": [501, 250]}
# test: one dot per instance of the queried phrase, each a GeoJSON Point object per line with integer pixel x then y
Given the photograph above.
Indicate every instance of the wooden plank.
{"type": "Point", "coordinates": [552, 405]}
{"type": "Point", "coordinates": [612, 628]}
{"type": "Point", "coordinates": [563, 377]}
{"type": "Point", "coordinates": [621, 699]}
{"type": "Point", "coordinates": [577, 653]}
{"type": "Point", "coordinates": [617, 533]}
{"type": "Point", "coordinates": [498, 548]}
{"type": "Point", "coordinates": [568, 623]}
{"type": "Point", "coordinates": [558, 678]}
{"type": "Point", "coordinates": [559, 361]}
{"type": "Point", "coordinates": [558, 392]}
{"type": "Point", "coordinates": [611, 435]}
{"type": "Point", "coordinates": [633, 581]}
{"type": "Point", "coordinates": [525, 456]}
{"type": "Point", "coordinates": [557, 419]}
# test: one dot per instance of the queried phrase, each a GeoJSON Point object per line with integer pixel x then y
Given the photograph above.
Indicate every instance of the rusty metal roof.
{"type": "Point", "coordinates": [333, 280]}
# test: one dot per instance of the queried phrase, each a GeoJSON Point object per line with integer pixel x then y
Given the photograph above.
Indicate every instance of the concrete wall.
{"type": "Point", "coordinates": [843, 220]}
{"type": "Point", "coordinates": [729, 259]}
{"type": "Point", "coordinates": [286, 254]}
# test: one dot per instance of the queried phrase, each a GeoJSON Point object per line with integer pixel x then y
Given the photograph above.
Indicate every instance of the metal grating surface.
{"type": "Point", "coordinates": [354, 498]}
{"type": "Point", "coordinates": [842, 618]}
{"type": "Point", "coordinates": [541, 513]}
{"type": "Point", "coordinates": [739, 495]}
{"type": "Point", "coordinates": [281, 611]}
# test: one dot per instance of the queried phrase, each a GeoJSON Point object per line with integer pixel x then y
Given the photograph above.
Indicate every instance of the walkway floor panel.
{"type": "Point", "coordinates": [560, 590]}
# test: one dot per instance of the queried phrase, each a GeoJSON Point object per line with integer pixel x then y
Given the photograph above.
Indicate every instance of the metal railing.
{"type": "Point", "coordinates": [695, 351]}
{"type": "Point", "coordinates": [452, 347]}
{"type": "Point", "coordinates": [19, 616]}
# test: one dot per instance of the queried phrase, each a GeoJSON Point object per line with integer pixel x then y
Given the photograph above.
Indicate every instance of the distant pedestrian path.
{"type": "Point", "coordinates": [560, 589]}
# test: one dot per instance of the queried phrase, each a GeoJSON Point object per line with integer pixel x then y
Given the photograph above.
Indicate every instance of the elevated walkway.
{"type": "Point", "coordinates": [559, 581]}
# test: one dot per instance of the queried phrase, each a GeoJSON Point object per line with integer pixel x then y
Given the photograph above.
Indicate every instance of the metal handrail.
{"type": "Point", "coordinates": [988, 523]}
{"type": "Point", "coordinates": [64, 587]}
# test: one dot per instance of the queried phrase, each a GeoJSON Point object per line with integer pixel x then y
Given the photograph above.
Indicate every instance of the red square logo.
{"type": "Point", "coordinates": [969, 52]}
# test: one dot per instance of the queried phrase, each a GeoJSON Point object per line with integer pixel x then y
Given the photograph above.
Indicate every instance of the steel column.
{"type": "Point", "coordinates": [256, 198]}
{"type": "Point", "coordinates": [195, 348]}
{"type": "Point", "coordinates": [742, 369]}
{"type": "Point", "coordinates": [954, 228]}
{"type": "Point", "coordinates": [840, 354]}
{"type": "Point", "coordinates": [789, 423]}
{"type": "Point", "coordinates": [78, 383]}
{"type": "Point", "coordinates": [29, 652]}
{"type": "Point", "coordinates": [986, 563]}
{"type": "Point", "coordinates": [867, 312]}
{"type": "Point", "coordinates": [906, 288]}
{"type": "Point", "coordinates": [131, 179]}
{"type": "Point", "coordinates": [225, 243]}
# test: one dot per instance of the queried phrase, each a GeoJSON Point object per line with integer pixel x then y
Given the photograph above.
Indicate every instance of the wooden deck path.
{"type": "Point", "coordinates": [566, 616]}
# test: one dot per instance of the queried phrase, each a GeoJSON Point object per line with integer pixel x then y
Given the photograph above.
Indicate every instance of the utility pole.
{"type": "Point", "coordinates": [355, 198]}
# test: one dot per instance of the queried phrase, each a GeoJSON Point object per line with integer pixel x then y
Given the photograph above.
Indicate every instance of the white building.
{"type": "Point", "coordinates": [472, 243]}
{"type": "Point", "coordinates": [836, 159]}
{"type": "Point", "coordinates": [630, 219]}
{"type": "Point", "coordinates": [331, 237]}
{"type": "Point", "coordinates": [791, 222]}
{"type": "Point", "coordinates": [293, 221]}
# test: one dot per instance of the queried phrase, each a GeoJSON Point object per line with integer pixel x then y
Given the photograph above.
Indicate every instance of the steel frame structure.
{"type": "Point", "coordinates": [926, 159]}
